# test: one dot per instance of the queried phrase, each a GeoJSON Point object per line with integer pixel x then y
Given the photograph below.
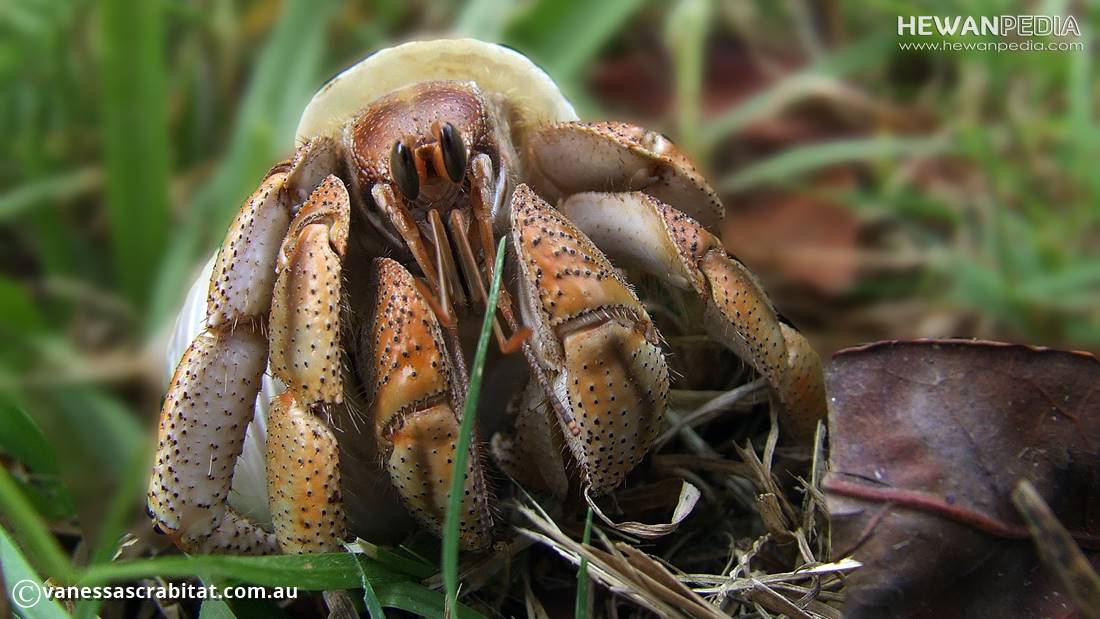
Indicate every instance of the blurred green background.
{"type": "Point", "coordinates": [880, 193]}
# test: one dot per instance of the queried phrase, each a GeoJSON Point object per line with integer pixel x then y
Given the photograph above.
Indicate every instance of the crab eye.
{"type": "Point", "coordinates": [403, 169]}
{"type": "Point", "coordinates": [454, 152]}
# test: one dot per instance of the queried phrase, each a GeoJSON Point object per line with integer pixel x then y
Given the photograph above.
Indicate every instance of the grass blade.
{"type": "Point", "coordinates": [215, 609]}
{"type": "Point", "coordinates": [483, 19]}
{"type": "Point", "coordinates": [805, 159]}
{"type": "Point", "coordinates": [96, 438]}
{"type": "Point", "coordinates": [286, 74]}
{"type": "Point", "coordinates": [120, 509]}
{"type": "Point", "coordinates": [422, 601]}
{"type": "Point", "coordinates": [319, 572]}
{"type": "Point", "coordinates": [370, 598]}
{"type": "Point", "coordinates": [580, 610]}
{"type": "Point", "coordinates": [135, 137]}
{"type": "Point", "coordinates": [16, 569]}
{"type": "Point", "coordinates": [563, 36]}
{"type": "Point", "coordinates": [22, 441]}
{"type": "Point", "coordinates": [817, 79]}
{"type": "Point", "coordinates": [686, 35]}
{"type": "Point", "coordinates": [32, 532]}
{"type": "Point", "coordinates": [48, 191]}
{"type": "Point", "coordinates": [466, 430]}
{"type": "Point", "coordinates": [397, 560]}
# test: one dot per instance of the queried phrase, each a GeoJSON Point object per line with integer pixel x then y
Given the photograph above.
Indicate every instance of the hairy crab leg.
{"type": "Point", "coordinates": [414, 406]}
{"type": "Point", "coordinates": [510, 344]}
{"type": "Point", "coordinates": [202, 427]}
{"type": "Point", "coordinates": [483, 202]}
{"type": "Point", "coordinates": [394, 209]}
{"type": "Point", "coordinates": [212, 395]}
{"type": "Point", "coordinates": [303, 479]}
{"type": "Point", "coordinates": [647, 173]}
{"type": "Point", "coordinates": [640, 231]}
{"type": "Point", "coordinates": [594, 341]}
{"type": "Point", "coordinates": [445, 265]}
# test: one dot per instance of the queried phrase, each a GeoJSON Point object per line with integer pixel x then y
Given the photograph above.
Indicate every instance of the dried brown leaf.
{"type": "Point", "coordinates": [929, 439]}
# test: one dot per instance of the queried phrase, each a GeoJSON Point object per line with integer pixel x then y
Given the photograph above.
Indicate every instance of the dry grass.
{"type": "Point", "coordinates": [756, 544]}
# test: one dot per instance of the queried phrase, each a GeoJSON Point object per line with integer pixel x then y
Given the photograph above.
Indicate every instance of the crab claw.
{"type": "Point", "coordinates": [597, 347]}
{"type": "Point", "coordinates": [575, 157]}
{"type": "Point", "coordinates": [211, 399]}
{"type": "Point", "coordinates": [414, 405]}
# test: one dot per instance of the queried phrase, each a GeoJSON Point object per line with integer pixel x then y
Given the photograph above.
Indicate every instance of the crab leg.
{"type": "Point", "coordinates": [484, 202]}
{"type": "Point", "coordinates": [394, 209]}
{"type": "Point", "coordinates": [575, 157]}
{"type": "Point", "coordinates": [202, 426]}
{"type": "Point", "coordinates": [210, 400]}
{"type": "Point", "coordinates": [303, 480]}
{"type": "Point", "coordinates": [211, 397]}
{"type": "Point", "coordinates": [640, 231]}
{"type": "Point", "coordinates": [415, 399]}
{"type": "Point", "coordinates": [450, 286]}
{"type": "Point", "coordinates": [596, 344]}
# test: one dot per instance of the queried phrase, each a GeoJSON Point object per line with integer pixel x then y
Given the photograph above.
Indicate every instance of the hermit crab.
{"type": "Point", "coordinates": [321, 359]}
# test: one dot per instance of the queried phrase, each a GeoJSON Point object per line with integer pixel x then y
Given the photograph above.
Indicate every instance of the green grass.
{"type": "Point", "coordinates": [465, 435]}
{"type": "Point", "coordinates": [287, 71]}
{"type": "Point", "coordinates": [323, 572]}
{"type": "Point", "coordinates": [370, 597]}
{"type": "Point", "coordinates": [685, 36]}
{"type": "Point", "coordinates": [48, 557]}
{"type": "Point", "coordinates": [580, 608]}
{"type": "Point", "coordinates": [17, 569]}
{"type": "Point", "coordinates": [563, 36]}
{"type": "Point", "coordinates": [793, 88]}
{"type": "Point", "coordinates": [792, 163]}
{"type": "Point", "coordinates": [135, 136]}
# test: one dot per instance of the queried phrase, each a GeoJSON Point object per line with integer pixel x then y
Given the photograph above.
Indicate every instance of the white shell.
{"type": "Point", "coordinates": [497, 70]}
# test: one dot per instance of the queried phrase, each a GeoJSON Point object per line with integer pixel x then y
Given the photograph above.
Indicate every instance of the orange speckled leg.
{"type": "Point", "coordinates": [303, 482]}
